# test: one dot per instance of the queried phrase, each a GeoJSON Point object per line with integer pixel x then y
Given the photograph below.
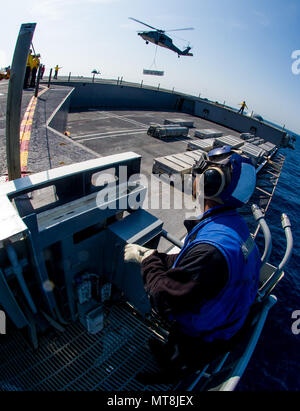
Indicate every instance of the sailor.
{"type": "Point", "coordinates": [56, 68]}
{"type": "Point", "coordinates": [28, 69]}
{"type": "Point", "coordinates": [243, 106]}
{"type": "Point", "coordinates": [206, 290]}
{"type": "Point", "coordinates": [34, 69]}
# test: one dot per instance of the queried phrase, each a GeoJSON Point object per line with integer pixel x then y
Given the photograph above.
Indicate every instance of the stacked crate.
{"type": "Point", "coordinates": [208, 133]}
{"type": "Point", "coordinates": [180, 163]}
{"type": "Point", "coordinates": [205, 145]}
{"type": "Point", "coordinates": [254, 152]}
{"type": "Point", "coordinates": [167, 131]}
{"type": "Point", "coordinates": [230, 140]}
{"type": "Point", "coordinates": [267, 147]}
{"type": "Point", "coordinates": [180, 122]}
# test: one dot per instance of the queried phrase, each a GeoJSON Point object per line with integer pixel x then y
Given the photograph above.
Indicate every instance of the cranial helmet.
{"type": "Point", "coordinates": [229, 178]}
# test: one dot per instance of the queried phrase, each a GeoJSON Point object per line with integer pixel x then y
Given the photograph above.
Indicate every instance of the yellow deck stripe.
{"type": "Point", "coordinates": [26, 124]}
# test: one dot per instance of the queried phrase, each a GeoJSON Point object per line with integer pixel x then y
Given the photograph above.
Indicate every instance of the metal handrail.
{"type": "Point", "coordinates": [259, 217]}
{"type": "Point", "coordinates": [270, 284]}
{"type": "Point", "coordinates": [239, 369]}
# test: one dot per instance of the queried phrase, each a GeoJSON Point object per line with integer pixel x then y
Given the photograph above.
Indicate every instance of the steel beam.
{"type": "Point", "coordinates": [14, 100]}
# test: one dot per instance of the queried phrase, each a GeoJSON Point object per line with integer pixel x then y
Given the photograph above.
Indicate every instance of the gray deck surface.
{"type": "Point", "coordinates": [46, 148]}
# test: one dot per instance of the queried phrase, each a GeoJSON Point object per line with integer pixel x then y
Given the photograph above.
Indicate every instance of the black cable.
{"type": "Point", "coordinates": [32, 48]}
{"type": "Point", "coordinates": [154, 60]}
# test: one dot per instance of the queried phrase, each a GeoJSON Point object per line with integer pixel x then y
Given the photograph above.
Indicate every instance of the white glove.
{"type": "Point", "coordinates": [136, 254]}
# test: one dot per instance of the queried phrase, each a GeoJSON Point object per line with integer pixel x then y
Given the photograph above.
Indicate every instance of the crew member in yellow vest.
{"type": "Point", "coordinates": [35, 66]}
{"type": "Point", "coordinates": [56, 68]}
{"type": "Point", "coordinates": [28, 69]}
{"type": "Point", "coordinates": [243, 106]}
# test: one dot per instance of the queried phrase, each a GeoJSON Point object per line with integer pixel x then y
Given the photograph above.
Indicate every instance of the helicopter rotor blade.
{"type": "Point", "coordinates": [188, 28]}
{"type": "Point", "coordinates": [151, 27]}
{"type": "Point", "coordinates": [181, 39]}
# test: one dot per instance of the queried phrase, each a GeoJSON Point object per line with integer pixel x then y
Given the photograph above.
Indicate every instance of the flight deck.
{"type": "Point", "coordinates": [111, 132]}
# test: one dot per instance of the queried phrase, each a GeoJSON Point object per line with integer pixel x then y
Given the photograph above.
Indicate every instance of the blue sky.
{"type": "Point", "coordinates": [242, 49]}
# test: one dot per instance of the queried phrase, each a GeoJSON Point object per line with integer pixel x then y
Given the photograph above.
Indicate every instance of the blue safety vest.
{"type": "Point", "coordinates": [222, 316]}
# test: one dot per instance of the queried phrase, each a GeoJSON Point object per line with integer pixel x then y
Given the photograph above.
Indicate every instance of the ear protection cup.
{"type": "Point", "coordinates": [214, 182]}
{"type": "Point", "coordinates": [229, 178]}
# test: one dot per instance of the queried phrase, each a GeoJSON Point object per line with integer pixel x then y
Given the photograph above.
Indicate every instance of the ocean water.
{"type": "Point", "coordinates": [275, 364]}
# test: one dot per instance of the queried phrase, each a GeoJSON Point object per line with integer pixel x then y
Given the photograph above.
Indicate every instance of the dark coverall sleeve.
{"type": "Point", "coordinates": [200, 275]}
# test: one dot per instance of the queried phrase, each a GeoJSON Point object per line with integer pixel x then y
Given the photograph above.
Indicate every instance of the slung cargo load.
{"type": "Point", "coordinates": [167, 131]}
{"type": "Point", "coordinates": [180, 122]}
{"type": "Point", "coordinates": [153, 72]}
{"type": "Point", "coordinates": [205, 145]}
{"type": "Point", "coordinates": [208, 133]}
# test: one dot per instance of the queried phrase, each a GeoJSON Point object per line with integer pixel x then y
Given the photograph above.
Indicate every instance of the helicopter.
{"type": "Point", "coordinates": [159, 38]}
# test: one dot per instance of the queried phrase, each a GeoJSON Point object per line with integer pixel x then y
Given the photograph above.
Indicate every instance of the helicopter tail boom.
{"type": "Point", "coordinates": [186, 52]}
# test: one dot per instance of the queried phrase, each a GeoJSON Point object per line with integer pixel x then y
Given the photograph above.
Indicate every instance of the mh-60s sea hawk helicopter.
{"type": "Point", "coordinates": [159, 38]}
